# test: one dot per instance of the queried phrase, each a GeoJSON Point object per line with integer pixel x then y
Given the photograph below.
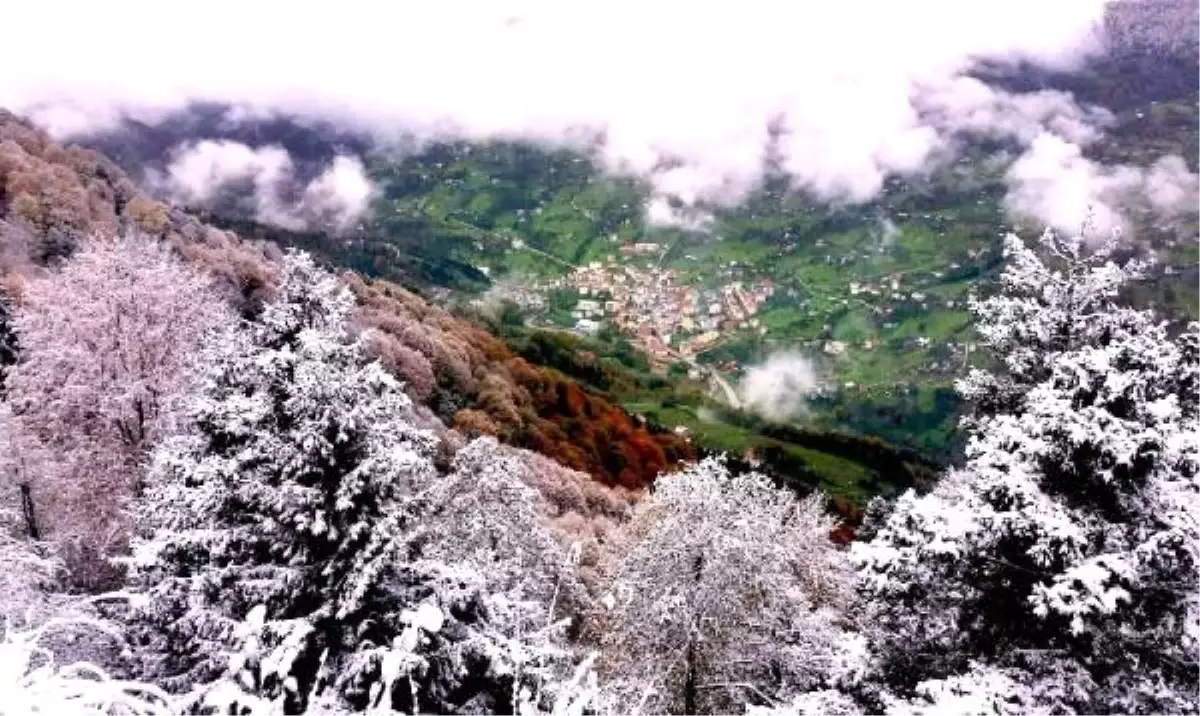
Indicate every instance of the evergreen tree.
{"type": "Point", "coordinates": [291, 490]}
{"type": "Point", "coordinates": [1062, 557]}
{"type": "Point", "coordinates": [288, 529]}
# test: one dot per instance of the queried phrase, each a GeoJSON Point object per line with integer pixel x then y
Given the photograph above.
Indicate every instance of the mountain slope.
{"type": "Point", "coordinates": [51, 197]}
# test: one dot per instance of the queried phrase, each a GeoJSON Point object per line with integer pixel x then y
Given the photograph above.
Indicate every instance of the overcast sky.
{"type": "Point", "coordinates": [862, 89]}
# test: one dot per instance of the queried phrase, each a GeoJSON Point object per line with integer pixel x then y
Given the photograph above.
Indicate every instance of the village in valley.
{"type": "Point", "coordinates": [677, 314]}
{"type": "Point", "coordinates": [670, 319]}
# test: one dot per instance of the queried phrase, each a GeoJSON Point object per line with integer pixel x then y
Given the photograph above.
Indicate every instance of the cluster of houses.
{"type": "Point", "coordinates": [668, 319]}
{"type": "Point", "coordinates": [673, 321]}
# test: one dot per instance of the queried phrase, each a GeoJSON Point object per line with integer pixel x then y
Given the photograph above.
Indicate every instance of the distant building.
{"type": "Point", "coordinates": [587, 325]}
{"type": "Point", "coordinates": [588, 305]}
{"type": "Point", "coordinates": [640, 248]}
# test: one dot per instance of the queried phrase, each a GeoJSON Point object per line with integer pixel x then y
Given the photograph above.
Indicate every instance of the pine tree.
{"type": "Point", "coordinates": [1062, 557]}
{"type": "Point", "coordinates": [292, 490]}
{"type": "Point", "coordinates": [293, 551]}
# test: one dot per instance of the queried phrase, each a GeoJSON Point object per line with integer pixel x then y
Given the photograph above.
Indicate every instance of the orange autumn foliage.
{"type": "Point", "coordinates": [484, 387]}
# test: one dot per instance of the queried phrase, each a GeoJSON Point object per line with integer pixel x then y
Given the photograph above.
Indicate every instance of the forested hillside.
{"type": "Point", "coordinates": [269, 523]}
{"type": "Point", "coordinates": [54, 197]}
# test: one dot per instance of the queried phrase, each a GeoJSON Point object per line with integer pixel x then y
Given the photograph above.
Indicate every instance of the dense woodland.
{"type": "Point", "coordinates": [237, 481]}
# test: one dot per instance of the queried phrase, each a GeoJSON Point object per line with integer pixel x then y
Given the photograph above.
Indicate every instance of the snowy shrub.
{"type": "Point", "coordinates": [28, 572]}
{"type": "Point", "coordinates": [32, 681]}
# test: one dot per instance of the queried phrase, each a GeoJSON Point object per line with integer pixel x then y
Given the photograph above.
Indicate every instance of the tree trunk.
{"type": "Point", "coordinates": [692, 675]}
{"type": "Point", "coordinates": [31, 526]}
{"type": "Point", "coordinates": [689, 683]}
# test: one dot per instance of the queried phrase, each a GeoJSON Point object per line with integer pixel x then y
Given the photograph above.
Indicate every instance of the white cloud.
{"type": "Point", "coordinates": [660, 212]}
{"type": "Point", "coordinates": [1170, 188]}
{"type": "Point", "coordinates": [860, 90]}
{"type": "Point", "coordinates": [779, 388]}
{"type": "Point", "coordinates": [342, 192]}
{"type": "Point", "coordinates": [198, 171]}
{"type": "Point", "coordinates": [336, 199]}
{"type": "Point", "coordinates": [967, 105]}
{"type": "Point", "coordinates": [1055, 184]}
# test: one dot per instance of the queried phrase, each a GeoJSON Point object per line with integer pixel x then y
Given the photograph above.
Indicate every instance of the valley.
{"type": "Point", "coordinates": [876, 294]}
{"type": "Point", "coordinates": [592, 270]}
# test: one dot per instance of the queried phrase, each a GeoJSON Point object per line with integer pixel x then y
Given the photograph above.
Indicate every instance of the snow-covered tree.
{"type": "Point", "coordinates": [1048, 306]}
{"type": "Point", "coordinates": [1063, 555]}
{"type": "Point", "coordinates": [292, 488]}
{"type": "Point", "coordinates": [291, 550]}
{"type": "Point", "coordinates": [107, 342]}
{"type": "Point", "coordinates": [732, 595]}
{"type": "Point", "coordinates": [485, 515]}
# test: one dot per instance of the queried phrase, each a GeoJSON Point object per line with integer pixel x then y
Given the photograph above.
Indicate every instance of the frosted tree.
{"type": "Point", "coordinates": [1047, 307]}
{"type": "Point", "coordinates": [107, 342]}
{"type": "Point", "coordinates": [486, 516]}
{"type": "Point", "coordinates": [732, 595]}
{"type": "Point", "coordinates": [287, 551]}
{"type": "Point", "coordinates": [290, 490]}
{"type": "Point", "coordinates": [1063, 555]}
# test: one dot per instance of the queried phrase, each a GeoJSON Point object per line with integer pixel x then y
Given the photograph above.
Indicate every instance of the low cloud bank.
{"type": "Point", "coordinates": [262, 181]}
{"type": "Point", "coordinates": [840, 97]}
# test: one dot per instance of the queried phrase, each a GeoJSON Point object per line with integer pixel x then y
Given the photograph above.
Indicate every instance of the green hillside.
{"type": "Point", "coordinates": [544, 239]}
